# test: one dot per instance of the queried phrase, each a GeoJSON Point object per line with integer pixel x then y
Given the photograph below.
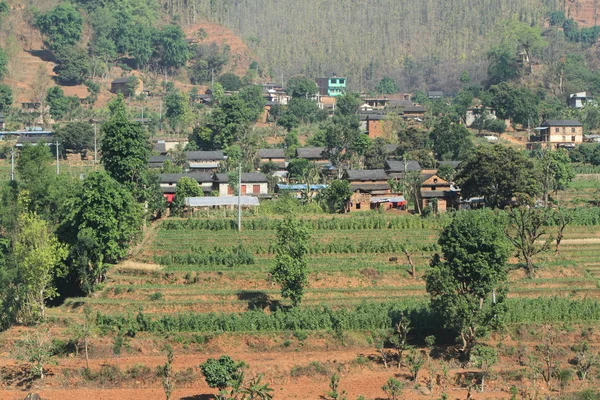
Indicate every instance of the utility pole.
{"type": "Point", "coordinates": [57, 165]}
{"type": "Point", "coordinates": [239, 197]}
{"type": "Point", "coordinates": [212, 78]}
{"type": "Point", "coordinates": [95, 146]}
{"type": "Point", "coordinates": [12, 164]}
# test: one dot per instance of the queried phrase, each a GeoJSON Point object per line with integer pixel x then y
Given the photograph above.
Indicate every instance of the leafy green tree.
{"type": "Point", "coordinates": [170, 48]}
{"type": "Point", "coordinates": [475, 251]}
{"type": "Point", "coordinates": [38, 256]}
{"type": "Point", "coordinates": [76, 136]}
{"type": "Point", "coordinates": [376, 154]}
{"type": "Point", "coordinates": [451, 141]}
{"type": "Point", "coordinates": [232, 118]}
{"type": "Point", "coordinates": [301, 86]}
{"type": "Point", "coordinates": [555, 171]}
{"type": "Point", "coordinates": [61, 107]}
{"type": "Point", "coordinates": [186, 187]}
{"type": "Point", "coordinates": [446, 172]}
{"type": "Point", "coordinates": [411, 139]}
{"type": "Point", "coordinates": [393, 388]}
{"type": "Point", "coordinates": [220, 373]}
{"type": "Point", "coordinates": [518, 104]}
{"type": "Point", "coordinates": [6, 98]}
{"type": "Point", "coordinates": [298, 167]}
{"type": "Point", "coordinates": [208, 60]}
{"type": "Point", "coordinates": [230, 81]}
{"type": "Point", "coordinates": [522, 37]}
{"type": "Point", "coordinates": [498, 173]}
{"type": "Point", "coordinates": [291, 265]}
{"type": "Point", "coordinates": [125, 146]}
{"type": "Point", "coordinates": [166, 372]}
{"type": "Point", "coordinates": [34, 173]}
{"type": "Point", "coordinates": [103, 221]}
{"type": "Point", "coordinates": [348, 104]}
{"type": "Point", "coordinates": [62, 26]}
{"type": "Point", "coordinates": [503, 65]}
{"type": "Point", "coordinates": [336, 196]}
{"type": "Point", "coordinates": [177, 109]}
{"type": "Point", "coordinates": [485, 358]}
{"type": "Point", "coordinates": [3, 64]}
{"type": "Point", "coordinates": [72, 66]}
{"type": "Point", "coordinates": [387, 86]}
{"type": "Point", "coordinates": [341, 135]}
{"type": "Point", "coordinates": [525, 231]}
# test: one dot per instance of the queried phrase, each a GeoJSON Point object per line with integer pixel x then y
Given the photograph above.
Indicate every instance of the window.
{"type": "Point", "coordinates": [556, 130]}
{"type": "Point", "coordinates": [358, 206]}
{"type": "Point", "coordinates": [342, 81]}
{"type": "Point", "coordinates": [573, 130]}
{"type": "Point", "coordinates": [572, 138]}
{"type": "Point", "coordinates": [433, 188]}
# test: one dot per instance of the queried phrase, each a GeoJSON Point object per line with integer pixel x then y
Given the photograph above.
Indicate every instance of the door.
{"type": "Point", "coordinates": [256, 189]}
{"type": "Point", "coordinates": [243, 189]}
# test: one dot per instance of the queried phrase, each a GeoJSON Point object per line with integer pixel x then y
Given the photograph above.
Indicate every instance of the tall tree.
{"type": "Point", "coordinates": [6, 98]}
{"type": "Point", "coordinates": [451, 141]}
{"type": "Point", "coordinates": [475, 252]}
{"type": "Point", "coordinates": [555, 171]}
{"type": "Point", "coordinates": [125, 147]}
{"type": "Point", "coordinates": [387, 86]}
{"type": "Point", "coordinates": [301, 86]}
{"type": "Point", "coordinates": [103, 221]}
{"type": "Point", "coordinates": [498, 174]}
{"type": "Point", "coordinates": [291, 265]}
{"type": "Point", "coordinates": [61, 26]}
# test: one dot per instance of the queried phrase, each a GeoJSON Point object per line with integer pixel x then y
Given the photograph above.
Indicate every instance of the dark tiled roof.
{"type": "Point", "coordinates": [173, 178]}
{"type": "Point", "coordinates": [400, 103]}
{"type": "Point", "coordinates": [414, 109]}
{"type": "Point", "coordinates": [160, 159]}
{"type": "Point", "coordinates": [34, 139]}
{"type": "Point", "coordinates": [270, 153]}
{"type": "Point", "coordinates": [392, 166]}
{"type": "Point", "coordinates": [391, 148]}
{"type": "Point", "coordinates": [431, 194]}
{"type": "Point", "coordinates": [561, 122]}
{"type": "Point", "coordinates": [120, 80]}
{"type": "Point", "coordinates": [160, 147]}
{"type": "Point", "coordinates": [453, 164]}
{"type": "Point", "coordinates": [369, 187]}
{"type": "Point", "coordinates": [250, 177]}
{"type": "Point", "coordinates": [310, 152]}
{"type": "Point", "coordinates": [366, 175]}
{"type": "Point", "coordinates": [205, 155]}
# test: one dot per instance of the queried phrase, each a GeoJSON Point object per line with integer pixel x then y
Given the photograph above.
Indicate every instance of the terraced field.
{"type": "Point", "coordinates": [347, 267]}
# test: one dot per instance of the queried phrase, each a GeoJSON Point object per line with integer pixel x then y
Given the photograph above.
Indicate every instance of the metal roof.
{"type": "Point", "coordinates": [561, 122]}
{"type": "Point", "coordinates": [221, 201]}
{"type": "Point", "coordinates": [301, 187]}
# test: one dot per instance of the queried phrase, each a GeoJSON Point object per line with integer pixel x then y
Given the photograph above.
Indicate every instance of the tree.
{"type": "Point", "coordinates": [84, 331]}
{"type": "Point", "coordinates": [301, 86]}
{"type": "Point", "coordinates": [525, 231]}
{"type": "Point", "coordinates": [125, 147]}
{"type": "Point", "coordinates": [232, 118]}
{"type": "Point", "coordinates": [291, 266]}
{"type": "Point", "coordinates": [393, 388]}
{"type": "Point", "coordinates": [446, 172]}
{"type": "Point", "coordinates": [177, 104]}
{"type": "Point", "coordinates": [411, 139]}
{"type": "Point", "coordinates": [170, 48]}
{"type": "Point", "coordinates": [104, 220]}
{"type": "Point", "coordinates": [387, 86]}
{"type": "Point", "coordinates": [76, 136]}
{"type": "Point", "coordinates": [376, 154]}
{"type": "Point", "coordinates": [497, 173]}
{"type": "Point", "coordinates": [518, 104]}
{"type": "Point", "coordinates": [297, 168]}
{"type": "Point", "coordinates": [186, 187]}
{"type": "Point", "coordinates": [522, 37]}
{"type": "Point", "coordinates": [475, 251]}
{"type": "Point", "coordinates": [34, 173]}
{"type": "Point", "coordinates": [6, 98]}
{"type": "Point", "coordinates": [61, 106]}
{"type": "Point", "coordinates": [485, 358]}
{"type": "Point", "coordinates": [168, 378]}
{"type": "Point", "coordinates": [72, 66]}
{"type": "Point", "coordinates": [336, 196]}
{"type": "Point", "coordinates": [208, 61]}
{"type": "Point", "coordinates": [451, 141]}
{"type": "Point", "coordinates": [555, 171]}
{"type": "Point", "coordinates": [62, 26]}
{"type": "Point", "coordinates": [220, 373]}
{"type": "Point", "coordinates": [3, 64]}
{"type": "Point", "coordinates": [36, 348]}
{"type": "Point", "coordinates": [38, 255]}
{"type": "Point", "coordinates": [257, 390]}
{"type": "Point", "coordinates": [230, 81]}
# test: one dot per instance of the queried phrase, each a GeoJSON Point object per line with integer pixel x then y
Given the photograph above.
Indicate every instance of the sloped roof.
{"type": "Point", "coordinates": [121, 80]}
{"type": "Point", "coordinates": [34, 139]}
{"type": "Point", "coordinates": [247, 177]}
{"type": "Point", "coordinates": [159, 159]}
{"type": "Point", "coordinates": [453, 164]}
{"type": "Point", "coordinates": [270, 153]}
{"type": "Point", "coordinates": [432, 194]}
{"type": "Point", "coordinates": [392, 166]}
{"type": "Point", "coordinates": [173, 178]}
{"type": "Point", "coordinates": [205, 155]}
{"type": "Point", "coordinates": [366, 175]}
{"type": "Point", "coordinates": [414, 109]}
{"type": "Point", "coordinates": [369, 187]}
{"type": "Point", "coordinates": [221, 201]}
{"type": "Point", "coordinates": [310, 152]}
{"type": "Point", "coordinates": [561, 122]}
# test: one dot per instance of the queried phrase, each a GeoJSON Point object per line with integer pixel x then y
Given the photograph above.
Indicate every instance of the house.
{"type": "Point", "coordinates": [313, 154]}
{"type": "Point", "coordinates": [366, 185]}
{"type": "Point", "coordinates": [207, 161]}
{"type": "Point", "coordinates": [558, 133]}
{"type": "Point", "coordinates": [333, 86]}
{"type": "Point", "coordinates": [475, 112]}
{"type": "Point", "coordinates": [413, 111]}
{"type": "Point", "coordinates": [578, 100]}
{"type": "Point", "coordinates": [122, 85]}
{"type": "Point", "coordinates": [253, 184]}
{"type": "Point", "coordinates": [158, 161]}
{"type": "Point", "coordinates": [435, 94]}
{"type": "Point", "coordinates": [373, 103]}
{"type": "Point", "coordinates": [168, 183]}
{"type": "Point", "coordinates": [160, 147]}
{"type": "Point", "coordinates": [439, 194]}
{"type": "Point", "coordinates": [375, 123]}
{"type": "Point", "coordinates": [35, 140]}
{"type": "Point", "coordinates": [276, 156]}
{"type": "Point", "coordinates": [298, 189]}
{"type": "Point", "coordinates": [396, 169]}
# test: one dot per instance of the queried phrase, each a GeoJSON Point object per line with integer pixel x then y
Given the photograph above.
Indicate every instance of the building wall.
{"type": "Point", "coordinates": [359, 202]}
{"type": "Point", "coordinates": [566, 134]}
{"type": "Point", "coordinates": [248, 189]}
{"type": "Point", "coordinates": [205, 165]}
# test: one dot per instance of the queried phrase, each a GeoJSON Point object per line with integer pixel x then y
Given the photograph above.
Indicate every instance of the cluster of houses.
{"type": "Point", "coordinates": [371, 189]}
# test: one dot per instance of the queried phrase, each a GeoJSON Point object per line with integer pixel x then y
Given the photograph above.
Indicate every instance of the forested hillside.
{"type": "Point", "coordinates": [419, 43]}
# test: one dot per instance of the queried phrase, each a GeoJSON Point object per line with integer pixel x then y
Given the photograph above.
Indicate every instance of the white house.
{"type": "Point", "coordinates": [253, 184]}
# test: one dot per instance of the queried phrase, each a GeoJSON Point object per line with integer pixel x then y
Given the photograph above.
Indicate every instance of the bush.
{"type": "Point", "coordinates": [156, 296]}
{"type": "Point", "coordinates": [230, 82]}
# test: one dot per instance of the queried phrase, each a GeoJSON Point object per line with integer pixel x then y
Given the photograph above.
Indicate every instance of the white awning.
{"type": "Point", "coordinates": [245, 201]}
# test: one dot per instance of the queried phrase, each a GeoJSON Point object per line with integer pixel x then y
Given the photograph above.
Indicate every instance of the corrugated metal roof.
{"type": "Point", "coordinates": [301, 187]}
{"type": "Point", "coordinates": [221, 201]}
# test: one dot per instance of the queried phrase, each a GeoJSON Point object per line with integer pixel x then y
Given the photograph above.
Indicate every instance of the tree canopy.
{"type": "Point", "coordinates": [61, 26]}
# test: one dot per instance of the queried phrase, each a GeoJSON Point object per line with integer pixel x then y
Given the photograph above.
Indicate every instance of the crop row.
{"type": "Point", "coordinates": [365, 316]}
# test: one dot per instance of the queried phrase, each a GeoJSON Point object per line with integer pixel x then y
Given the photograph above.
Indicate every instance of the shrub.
{"type": "Point", "coordinates": [156, 296]}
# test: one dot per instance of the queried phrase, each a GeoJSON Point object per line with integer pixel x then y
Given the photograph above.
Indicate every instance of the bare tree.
{"type": "Point", "coordinates": [39, 89]}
